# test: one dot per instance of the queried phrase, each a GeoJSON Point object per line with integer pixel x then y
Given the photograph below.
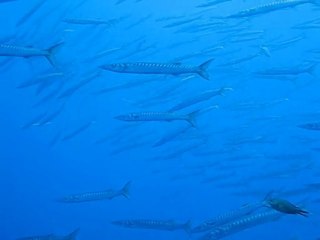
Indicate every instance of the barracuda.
{"type": "Point", "coordinates": [166, 225]}
{"type": "Point", "coordinates": [271, 7]}
{"type": "Point", "coordinates": [227, 217]}
{"type": "Point", "coordinates": [242, 224]}
{"type": "Point", "coordinates": [159, 68]}
{"type": "Point", "coordinates": [200, 98]}
{"type": "Point", "coordinates": [96, 196]}
{"type": "Point", "coordinates": [70, 236]}
{"type": "Point", "coordinates": [26, 52]}
{"type": "Point", "coordinates": [158, 117]}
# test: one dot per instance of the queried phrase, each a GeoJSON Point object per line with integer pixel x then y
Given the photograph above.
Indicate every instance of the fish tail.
{"type": "Point", "coordinates": [72, 235]}
{"type": "Point", "coordinates": [265, 51]}
{"type": "Point", "coordinates": [188, 226]}
{"type": "Point", "coordinates": [312, 69]}
{"type": "Point", "coordinates": [223, 90]}
{"type": "Point", "coordinates": [51, 53]}
{"type": "Point", "coordinates": [191, 118]}
{"type": "Point", "coordinates": [203, 69]}
{"type": "Point", "coordinates": [267, 197]}
{"type": "Point", "coordinates": [125, 191]}
{"type": "Point", "coordinates": [303, 213]}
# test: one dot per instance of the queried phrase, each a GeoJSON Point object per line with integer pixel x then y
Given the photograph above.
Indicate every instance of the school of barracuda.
{"type": "Point", "coordinates": [167, 96]}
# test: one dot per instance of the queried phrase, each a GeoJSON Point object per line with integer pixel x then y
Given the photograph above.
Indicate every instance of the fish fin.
{"type": "Point", "coordinates": [223, 90]}
{"type": "Point", "coordinates": [191, 118]}
{"type": "Point", "coordinates": [72, 235]}
{"type": "Point", "coordinates": [51, 53]}
{"type": "Point", "coordinates": [202, 69]}
{"type": "Point", "coordinates": [304, 213]}
{"type": "Point", "coordinates": [265, 51]}
{"type": "Point", "coordinates": [312, 69]}
{"type": "Point", "coordinates": [125, 190]}
{"type": "Point", "coordinates": [266, 198]}
{"type": "Point", "coordinates": [188, 226]}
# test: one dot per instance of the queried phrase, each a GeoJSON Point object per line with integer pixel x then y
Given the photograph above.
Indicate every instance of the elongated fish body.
{"type": "Point", "coordinates": [17, 51]}
{"type": "Point", "coordinates": [165, 225]}
{"type": "Point", "coordinates": [157, 117]}
{"type": "Point", "coordinates": [270, 7]}
{"type": "Point", "coordinates": [77, 131]}
{"type": "Point", "coordinates": [87, 21]}
{"type": "Point", "coordinates": [4, 1]}
{"type": "Point", "coordinates": [171, 135]}
{"type": "Point", "coordinates": [159, 68]}
{"type": "Point", "coordinates": [200, 98]}
{"type": "Point", "coordinates": [212, 3]}
{"type": "Point", "coordinates": [44, 237]}
{"type": "Point", "coordinates": [96, 196]}
{"type": "Point", "coordinates": [315, 126]}
{"type": "Point", "coordinates": [289, 71]}
{"type": "Point", "coordinates": [242, 224]}
{"type": "Point", "coordinates": [70, 236]}
{"type": "Point", "coordinates": [227, 217]}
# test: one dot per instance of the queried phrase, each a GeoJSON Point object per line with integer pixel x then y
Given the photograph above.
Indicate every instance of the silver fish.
{"type": "Point", "coordinates": [16, 51]}
{"type": "Point", "coordinates": [212, 3]}
{"type": "Point", "coordinates": [70, 236]}
{"type": "Point", "coordinates": [83, 21]}
{"type": "Point", "coordinates": [159, 68]}
{"type": "Point", "coordinates": [227, 217]}
{"type": "Point", "coordinates": [242, 224]}
{"type": "Point", "coordinates": [271, 7]}
{"type": "Point", "coordinates": [4, 1]}
{"type": "Point", "coordinates": [166, 225]}
{"type": "Point", "coordinates": [200, 98]}
{"type": "Point", "coordinates": [158, 117]}
{"type": "Point", "coordinates": [291, 71]}
{"type": "Point", "coordinates": [97, 196]}
{"type": "Point", "coordinates": [314, 126]}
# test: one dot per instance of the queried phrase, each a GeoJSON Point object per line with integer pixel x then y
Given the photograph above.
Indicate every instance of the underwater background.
{"type": "Point", "coordinates": [254, 136]}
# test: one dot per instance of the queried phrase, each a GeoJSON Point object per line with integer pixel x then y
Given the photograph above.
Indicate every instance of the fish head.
{"type": "Point", "coordinates": [116, 67]}
{"type": "Point", "coordinates": [128, 117]}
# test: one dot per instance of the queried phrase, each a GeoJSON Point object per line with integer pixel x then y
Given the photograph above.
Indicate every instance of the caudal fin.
{"type": "Point", "coordinates": [267, 198]}
{"type": "Point", "coordinates": [303, 213]}
{"type": "Point", "coordinates": [125, 191]}
{"type": "Point", "coordinates": [191, 118]}
{"type": "Point", "coordinates": [203, 69]}
{"type": "Point", "coordinates": [188, 226]}
{"type": "Point", "coordinates": [265, 51]}
{"type": "Point", "coordinates": [51, 53]}
{"type": "Point", "coordinates": [72, 235]}
{"type": "Point", "coordinates": [312, 69]}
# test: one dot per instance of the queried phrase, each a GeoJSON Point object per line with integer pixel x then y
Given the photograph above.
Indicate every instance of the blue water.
{"type": "Point", "coordinates": [246, 146]}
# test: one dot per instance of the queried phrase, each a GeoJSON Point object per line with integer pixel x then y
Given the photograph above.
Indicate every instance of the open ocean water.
{"type": "Point", "coordinates": [149, 119]}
